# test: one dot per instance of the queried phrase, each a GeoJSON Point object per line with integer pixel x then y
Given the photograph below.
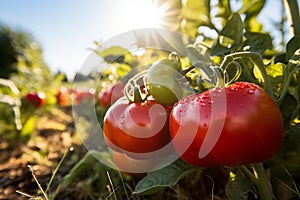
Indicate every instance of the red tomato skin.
{"type": "Point", "coordinates": [126, 125]}
{"type": "Point", "coordinates": [132, 166]}
{"type": "Point", "coordinates": [38, 99]}
{"type": "Point", "coordinates": [252, 130]}
{"type": "Point", "coordinates": [62, 96]}
{"type": "Point", "coordinates": [81, 96]}
{"type": "Point", "coordinates": [111, 95]}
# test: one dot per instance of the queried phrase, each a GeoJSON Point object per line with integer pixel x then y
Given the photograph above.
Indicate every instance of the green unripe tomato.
{"type": "Point", "coordinates": [162, 83]}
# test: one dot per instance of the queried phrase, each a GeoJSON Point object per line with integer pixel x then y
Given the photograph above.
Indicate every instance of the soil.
{"type": "Point", "coordinates": [24, 165]}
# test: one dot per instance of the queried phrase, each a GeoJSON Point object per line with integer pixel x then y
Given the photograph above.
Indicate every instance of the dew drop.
{"type": "Point", "coordinates": [122, 121]}
{"type": "Point", "coordinates": [210, 101]}
{"type": "Point", "coordinates": [205, 96]}
{"type": "Point", "coordinates": [250, 91]}
{"type": "Point", "coordinates": [122, 116]}
{"type": "Point", "coordinates": [203, 104]}
{"type": "Point", "coordinates": [215, 95]}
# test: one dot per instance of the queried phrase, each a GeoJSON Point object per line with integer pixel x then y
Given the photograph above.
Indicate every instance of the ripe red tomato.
{"type": "Point", "coordinates": [81, 96]}
{"type": "Point", "coordinates": [136, 128]}
{"type": "Point", "coordinates": [112, 94]}
{"type": "Point", "coordinates": [132, 166]}
{"type": "Point", "coordinates": [38, 99]}
{"type": "Point", "coordinates": [236, 125]}
{"type": "Point", "coordinates": [62, 96]}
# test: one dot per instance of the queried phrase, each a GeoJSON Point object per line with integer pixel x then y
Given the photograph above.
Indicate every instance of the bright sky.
{"type": "Point", "coordinates": [66, 28]}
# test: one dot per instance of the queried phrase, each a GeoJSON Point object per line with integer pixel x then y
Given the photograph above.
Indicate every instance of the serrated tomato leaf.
{"type": "Point", "coordinates": [163, 178]}
{"type": "Point", "coordinates": [258, 42]}
{"type": "Point", "coordinates": [292, 45]}
{"type": "Point", "coordinates": [238, 188]}
{"type": "Point", "coordinates": [231, 36]}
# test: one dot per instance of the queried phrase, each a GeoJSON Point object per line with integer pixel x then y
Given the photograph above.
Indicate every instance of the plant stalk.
{"type": "Point", "coordinates": [292, 13]}
{"type": "Point", "coordinates": [262, 183]}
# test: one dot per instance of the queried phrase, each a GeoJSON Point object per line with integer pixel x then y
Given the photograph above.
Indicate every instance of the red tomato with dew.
{"type": "Point", "coordinates": [236, 125]}
{"type": "Point", "coordinates": [136, 129]}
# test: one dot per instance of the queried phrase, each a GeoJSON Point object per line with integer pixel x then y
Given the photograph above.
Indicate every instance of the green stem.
{"type": "Point", "coordinates": [259, 179]}
{"type": "Point", "coordinates": [292, 13]}
{"type": "Point", "coordinates": [257, 59]}
{"type": "Point", "coordinates": [262, 182]}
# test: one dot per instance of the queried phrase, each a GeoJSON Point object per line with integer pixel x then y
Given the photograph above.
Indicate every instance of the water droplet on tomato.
{"type": "Point", "coordinates": [122, 116]}
{"type": "Point", "coordinates": [215, 94]}
{"type": "Point", "coordinates": [250, 91]}
{"type": "Point", "coordinates": [122, 121]}
{"type": "Point", "coordinates": [205, 96]}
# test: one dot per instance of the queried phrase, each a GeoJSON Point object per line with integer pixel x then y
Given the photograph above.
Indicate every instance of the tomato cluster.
{"type": "Point", "coordinates": [233, 125]}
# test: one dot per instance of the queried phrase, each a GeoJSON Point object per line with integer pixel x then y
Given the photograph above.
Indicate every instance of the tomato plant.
{"type": "Point", "coordinates": [37, 99]}
{"type": "Point", "coordinates": [250, 126]}
{"type": "Point", "coordinates": [136, 127]}
{"type": "Point", "coordinates": [111, 94]}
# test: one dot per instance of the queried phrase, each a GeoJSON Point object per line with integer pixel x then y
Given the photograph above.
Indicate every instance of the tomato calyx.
{"type": "Point", "coordinates": [135, 90]}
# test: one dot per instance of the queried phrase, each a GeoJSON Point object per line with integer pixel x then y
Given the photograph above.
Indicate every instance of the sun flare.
{"type": "Point", "coordinates": [143, 14]}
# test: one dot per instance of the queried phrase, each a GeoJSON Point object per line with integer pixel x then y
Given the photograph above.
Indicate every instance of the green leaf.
{"type": "Point", "coordinates": [275, 72]}
{"type": "Point", "coordinates": [224, 10]}
{"type": "Point", "coordinates": [195, 14]}
{"type": "Point", "coordinates": [286, 164]}
{"type": "Point", "coordinates": [292, 45]}
{"type": "Point", "coordinates": [258, 42]}
{"type": "Point", "coordinates": [122, 69]}
{"type": "Point", "coordinates": [163, 178]}
{"type": "Point", "coordinates": [230, 37]}
{"type": "Point", "coordinates": [252, 7]}
{"type": "Point", "coordinates": [28, 128]}
{"type": "Point", "coordinates": [287, 107]}
{"type": "Point", "coordinates": [113, 54]}
{"type": "Point", "coordinates": [238, 187]}
{"type": "Point", "coordinates": [190, 28]}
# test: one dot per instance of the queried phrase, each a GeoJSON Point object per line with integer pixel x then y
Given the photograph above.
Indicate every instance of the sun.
{"type": "Point", "coordinates": [142, 14]}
